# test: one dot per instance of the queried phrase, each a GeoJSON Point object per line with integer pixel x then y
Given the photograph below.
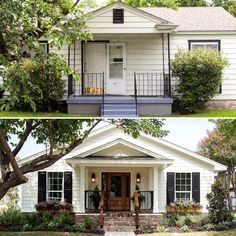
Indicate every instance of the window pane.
{"type": "Point", "coordinates": [55, 186]}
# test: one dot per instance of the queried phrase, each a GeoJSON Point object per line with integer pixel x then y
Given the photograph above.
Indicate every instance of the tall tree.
{"type": "Point", "coordinates": [60, 137]}
{"type": "Point", "coordinates": [220, 145]}
{"type": "Point", "coordinates": [228, 5]}
{"type": "Point", "coordinates": [88, 3]}
{"type": "Point", "coordinates": [22, 23]}
{"type": "Point", "coordinates": [149, 3]}
{"type": "Point", "coordinates": [192, 3]}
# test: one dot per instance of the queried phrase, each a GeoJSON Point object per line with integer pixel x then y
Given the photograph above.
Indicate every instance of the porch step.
{"type": "Point", "coordinates": [119, 222]}
{"type": "Point", "coordinates": [119, 107]}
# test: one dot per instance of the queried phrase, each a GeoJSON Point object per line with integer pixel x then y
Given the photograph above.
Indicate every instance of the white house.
{"type": "Point", "coordinates": [116, 162]}
{"type": "Point", "coordinates": [125, 70]}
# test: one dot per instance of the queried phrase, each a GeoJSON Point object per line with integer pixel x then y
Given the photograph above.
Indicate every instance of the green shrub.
{"type": "Point", "coordinates": [146, 226]}
{"type": "Point", "coordinates": [89, 223]}
{"type": "Point", "coordinates": [173, 219]}
{"type": "Point", "coordinates": [79, 227]}
{"type": "Point", "coordinates": [64, 218]}
{"type": "Point", "coordinates": [181, 221]}
{"type": "Point", "coordinates": [221, 226]}
{"type": "Point", "coordinates": [52, 226]}
{"type": "Point", "coordinates": [162, 229]}
{"type": "Point", "coordinates": [199, 74]}
{"type": "Point", "coordinates": [217, 206]}
{"type": "Point", "coordinates": [209, 227]}
{"type": "Point", "coordinates": [12, 217]}
{"type": "Point", "coordinates": [26, 227]}
{"type": "Point", "coordinates": [185, 229]}
{"type": "Point", "coordinates": [35, 84]}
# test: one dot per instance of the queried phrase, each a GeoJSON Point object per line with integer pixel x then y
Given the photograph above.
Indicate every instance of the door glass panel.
{"type": "Point", "coordinates": [116, 186]}
{"type": "Point", "coordinates": [116, 62]}
{"type": "Point", "coordinates": [127, 186]}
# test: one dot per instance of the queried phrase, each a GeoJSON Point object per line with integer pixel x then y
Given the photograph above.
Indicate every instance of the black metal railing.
{"type": "Point", "coordinates": [146, 200]}
{"type": "Point", "coordinates": [103, 95]}
{"type": "Point", "coordinates": [153, 84]}
{"type": "Point", "coordinates": [89, 197]}
{"type": "Point", "coordinates": [135, 94]}
{"type": "Point", "coordinates": [93, 84]}
{"type": "Point", "coordinates": [70, 85]}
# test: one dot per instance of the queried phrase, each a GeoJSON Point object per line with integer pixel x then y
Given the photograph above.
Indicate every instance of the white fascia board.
{"type": "Point", "coordinates": [197, 32]}
{"type": "Point", "coordinates": [217, 165]}
{"type": "Point", "coordinates": [134, 163]}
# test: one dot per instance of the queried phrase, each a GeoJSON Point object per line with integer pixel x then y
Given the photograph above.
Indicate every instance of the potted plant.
{"type": "Point", "coordinates": [141, 198]}
{"type": "Point", "coordinates": [184, 207]}
{"type": "Point", "coordinates": [54, 206]}
{"type": "Point", "coordinates": [95, 197]}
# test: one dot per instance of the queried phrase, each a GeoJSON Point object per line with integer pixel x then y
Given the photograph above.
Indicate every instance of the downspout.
{"type": "Point", "coordinates": [169, 71]}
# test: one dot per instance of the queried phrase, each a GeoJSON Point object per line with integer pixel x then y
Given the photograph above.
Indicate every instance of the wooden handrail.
{"type": "Point", "coordinates": [101, 216]}
{"type": "Point", "coordinates": [136, 209]}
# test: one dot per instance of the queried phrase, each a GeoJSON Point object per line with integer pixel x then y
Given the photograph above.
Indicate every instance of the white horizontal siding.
{"type": "Point", "coordinates": [185, 164]}
{"type": "Point", "coordinates": [29, 191]}
{"type": "Point", "coordinates": [228, 48]}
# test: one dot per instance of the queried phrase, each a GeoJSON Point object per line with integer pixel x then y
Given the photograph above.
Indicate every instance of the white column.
{"type": "Point", "coordinates": [155, 190]}
{"type": "Point", "coordinates": [81, 188]}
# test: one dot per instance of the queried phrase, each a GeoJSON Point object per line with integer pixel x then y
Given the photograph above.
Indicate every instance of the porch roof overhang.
{"type": "Point", "coordinates": [119, 161]}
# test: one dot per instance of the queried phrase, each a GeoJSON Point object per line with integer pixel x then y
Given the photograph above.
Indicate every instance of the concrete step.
{"type": "Point", "coordinates": [120, 106]}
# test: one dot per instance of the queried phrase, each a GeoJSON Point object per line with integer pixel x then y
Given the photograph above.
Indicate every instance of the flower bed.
{"type": "Point", "coordinates": [54, 206]}
{"type": "Point", "coordinates": [184, 207]}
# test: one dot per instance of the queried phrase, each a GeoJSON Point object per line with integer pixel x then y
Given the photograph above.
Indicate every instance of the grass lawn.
{"type": "Point", "coordinates": [215, 113]}
{"type": "Point", "coordinates": [44, 234]}
{"type": "Point", "coordinates": [222, 233]}
{"type": "Point", "coordinates": [208, 113]}
{"type": "Point", "coordinates": [15, 114]}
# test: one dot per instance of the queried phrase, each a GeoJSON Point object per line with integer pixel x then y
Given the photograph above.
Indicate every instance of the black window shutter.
{"type": "Point", "coordinates": [170, 187]}
{"type": "Point", "coordinates": [68, 187]}
{"type": "Point", "coordinates": [196, 186]}
{"type": "Point", "coordinates": [42, 186]}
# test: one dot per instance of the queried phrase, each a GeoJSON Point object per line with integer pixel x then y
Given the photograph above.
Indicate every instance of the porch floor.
{"type": "Point", "coordinates": [119, 106]}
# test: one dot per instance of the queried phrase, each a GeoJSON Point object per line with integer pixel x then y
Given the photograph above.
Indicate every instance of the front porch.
{"type": "Point", "coordinates": [98, 177]}
{"type": "Point", "coordinates": [134, 68]}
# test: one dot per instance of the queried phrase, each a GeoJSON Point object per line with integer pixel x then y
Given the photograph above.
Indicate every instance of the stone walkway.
{"type": "Point", "coordinates": [119, 233]}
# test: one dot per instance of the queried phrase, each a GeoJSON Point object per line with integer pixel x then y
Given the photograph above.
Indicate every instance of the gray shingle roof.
{"type": "Point", "coordinates": [196, 18]}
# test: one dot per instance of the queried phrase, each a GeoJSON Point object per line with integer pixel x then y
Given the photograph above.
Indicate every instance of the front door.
{"type": "Point", "coordinates": [94, 67]}
{"type": "Point", "coordinates": [117, 186]}
{"type": "Point", "coordinates": [116, 74]}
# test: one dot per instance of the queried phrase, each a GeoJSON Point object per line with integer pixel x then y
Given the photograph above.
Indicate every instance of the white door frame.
{"type": "Point", "coordinates": [122, 90]}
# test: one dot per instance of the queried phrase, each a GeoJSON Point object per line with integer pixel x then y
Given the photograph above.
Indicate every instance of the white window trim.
{"type": "Point", "coordinates": [202, 42]}
{"type": "Point", "coordinates": [51, 191]}
{"type": "Point", "coordinates": [190, 185]}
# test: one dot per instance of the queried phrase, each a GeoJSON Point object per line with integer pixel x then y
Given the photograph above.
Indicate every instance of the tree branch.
{"type": "Point", "coordinates": [28, 129]}
{"type": "Point", "coordinates": [10, 156]}
{"type": "Point", "coordinates": [46, 160]}
{"type": "Point", "coordinates": [76, 3]}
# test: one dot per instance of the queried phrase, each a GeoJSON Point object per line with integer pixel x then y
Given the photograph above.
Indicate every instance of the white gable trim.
{"type": "Point", "coordinates": [131, 9]}
{"type": "Point", "coordinates": [217, 165]}
{"type": "Point", "coordinates": [120, 141]}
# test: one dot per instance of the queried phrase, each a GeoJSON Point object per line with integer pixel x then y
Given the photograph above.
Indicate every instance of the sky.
{"type": "Point", "coordinates": [185, 132]}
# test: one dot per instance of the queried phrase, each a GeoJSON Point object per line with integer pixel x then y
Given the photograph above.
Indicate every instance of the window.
{"type": "Point", "coordinates": [44, 45]}
{"type": "Point", "coordinates": [211, 44]}
{"type": "Point", "coordinates": [55, 186]}
{"type": "Point", "coordinates": [118, 16]}
{"type": "Point", "coordinates": [183, 186]}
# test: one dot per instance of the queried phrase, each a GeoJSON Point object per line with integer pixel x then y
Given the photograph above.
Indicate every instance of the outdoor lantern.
{"type": "Point", "coordinates": [93, 178]}
{"type": "Point", "coordinates": [138, 178]}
